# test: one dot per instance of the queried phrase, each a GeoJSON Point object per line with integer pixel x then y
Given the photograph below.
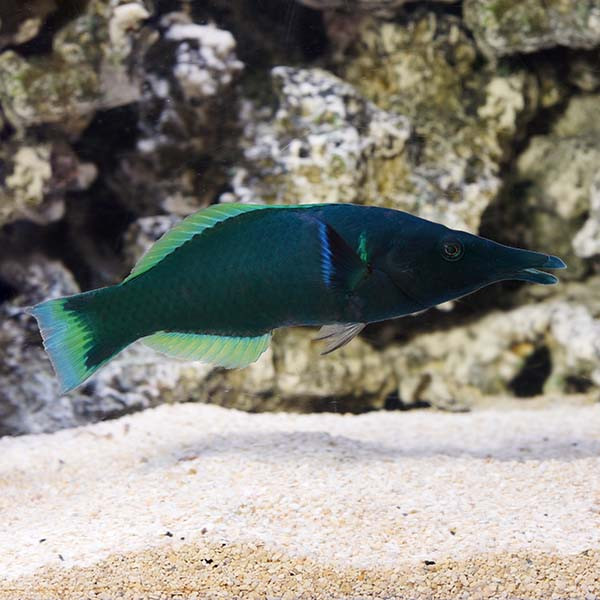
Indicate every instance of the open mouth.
{"type": "Point", "coordinates": [534, 275]}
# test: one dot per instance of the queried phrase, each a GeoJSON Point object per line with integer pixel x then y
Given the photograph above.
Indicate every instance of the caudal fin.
{"type": "Point", "coordinates": [73, 337]}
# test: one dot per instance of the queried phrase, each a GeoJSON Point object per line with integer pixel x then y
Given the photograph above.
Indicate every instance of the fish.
{"type": "Point", "coordinates": [215, 286]}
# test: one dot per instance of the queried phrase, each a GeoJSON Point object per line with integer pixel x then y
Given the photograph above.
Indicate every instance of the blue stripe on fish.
{"type": "Point", "coordinates": [326, 255]}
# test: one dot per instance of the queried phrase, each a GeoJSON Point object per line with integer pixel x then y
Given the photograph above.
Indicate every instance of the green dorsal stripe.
{"type": "Point", "coordinates": [224, 351]}
{"type": "Point", "coordinates": [186, 230]}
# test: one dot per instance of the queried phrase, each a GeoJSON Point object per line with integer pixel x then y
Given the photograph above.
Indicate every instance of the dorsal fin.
{"type": "Point", "coordinates": [186, 230]}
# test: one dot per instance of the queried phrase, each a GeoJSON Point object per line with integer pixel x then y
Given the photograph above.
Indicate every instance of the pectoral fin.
{"type": "Point", "coordinates": [338, 335]}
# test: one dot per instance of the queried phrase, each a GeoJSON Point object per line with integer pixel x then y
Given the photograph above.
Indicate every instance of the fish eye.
{"type": "Point", "coordinates": [452, 250]}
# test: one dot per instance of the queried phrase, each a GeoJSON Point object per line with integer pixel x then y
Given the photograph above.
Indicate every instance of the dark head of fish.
{"type": "Point", "coordinates": [434, 264]}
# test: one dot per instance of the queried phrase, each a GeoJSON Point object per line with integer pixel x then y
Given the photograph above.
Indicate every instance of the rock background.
{"type": "Point", "coordinates": [119, 117]}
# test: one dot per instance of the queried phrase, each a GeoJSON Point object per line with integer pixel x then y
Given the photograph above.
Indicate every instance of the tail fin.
{"type": "Point", "coordinates": [73, 337]}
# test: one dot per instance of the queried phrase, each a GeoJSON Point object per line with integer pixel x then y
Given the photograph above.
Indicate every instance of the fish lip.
{"type": "Point", "coordinates": [553, 262]}
{"type": "Point", "coordinates": [536, 276]}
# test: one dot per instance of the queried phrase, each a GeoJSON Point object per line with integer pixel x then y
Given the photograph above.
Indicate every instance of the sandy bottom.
{"type": "Point", "coordinates": [197, 501]}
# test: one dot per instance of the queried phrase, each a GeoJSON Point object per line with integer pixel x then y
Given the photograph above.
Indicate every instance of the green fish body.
{"type": "Point", "coordinates": [216, 285]}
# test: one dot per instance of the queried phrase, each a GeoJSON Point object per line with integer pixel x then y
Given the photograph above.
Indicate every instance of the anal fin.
{"type": "Point", "coordinates": [225, 351]}
{"type": "Point", "coordinates": [338, 335]}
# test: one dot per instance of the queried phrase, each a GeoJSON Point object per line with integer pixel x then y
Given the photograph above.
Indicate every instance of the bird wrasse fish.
{"type": "Point", "coordinates": [215, 286]}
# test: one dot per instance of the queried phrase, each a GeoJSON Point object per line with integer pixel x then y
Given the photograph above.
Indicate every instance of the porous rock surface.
{"type": "Point", "coordinates": [37, 176]}
{"type": "Point", "coordinates": [20, 22]}
{"type": "Point", "coordinates": [185, 116]}
{"type": "Point", "coordinates": [504, 27]}
{"type": "Point", "coordinates": [558, 174]}
{"type": "Point", "coordinates": [415, 149]}
{"type": "Point", "coordinates": [586, 242]}
{"type": "Point", "coordinates": [194, 501]}
{"type": "Point", "coordinates": [456, 369]}
{"type": "Point", "coordinates": [86, 70]}
{"type": "Point", "coordinates": [463, 117]}
{"type": "Point", "coordinates": [324, 143]}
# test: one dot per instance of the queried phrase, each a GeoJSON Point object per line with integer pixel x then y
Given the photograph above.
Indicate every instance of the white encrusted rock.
{"type": "Point", "coordinates": [324, 143]}
{"type": "Point", "coordinates": [456, 369]}
{"type": "Point", "coordinates": [205, 59]}
{"type": "Point", "coordinates": [503, 27]}
{"type": "Point", "coordinates": [558, 173]}
{"type": "Point", "coordinates": [86, 71]}
{"type": "Point", "coordinates": [36, 177]}
{"type": "Point", "coordinates": [587, 240]}
{"type": "Point", "coordinates": [464, 118]}
{"type": "Point", "coordinates": [187, 112]}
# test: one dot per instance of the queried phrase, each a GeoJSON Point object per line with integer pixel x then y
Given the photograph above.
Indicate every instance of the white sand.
{"type": "Point", "coordinates": [498, 499]}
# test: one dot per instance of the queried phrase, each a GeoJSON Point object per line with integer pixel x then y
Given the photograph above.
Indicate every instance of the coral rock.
{"type": "Point", "coordinates": [325, 143]}
{"type": "Point", "coordinates": [464, 118]}
{"type": "Point", "coordinates": [456, 369]}
{"type": "Point", "coordinates": [504, 27]}
{"type": "Point", "coordinates": [292, 375]}
{"type": "Point", "coordinates": [143, 233]}
{"type": "Point", "coordinates": [185, 114]}
{"type": "Point", "coordinates": [586, 242]}
{"type": "Point", "coordinates": [559, 175]}
{"type": "Point", "coordinates": [21, 21]}
{"type": "Point", "coordinates": [87, 70]}
{"type": "Point", "coordinates": [36, 177]}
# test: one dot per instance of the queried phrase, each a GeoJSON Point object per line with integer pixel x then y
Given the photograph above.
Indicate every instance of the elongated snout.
{"type": "Point", "coordinates": [525, 265]}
